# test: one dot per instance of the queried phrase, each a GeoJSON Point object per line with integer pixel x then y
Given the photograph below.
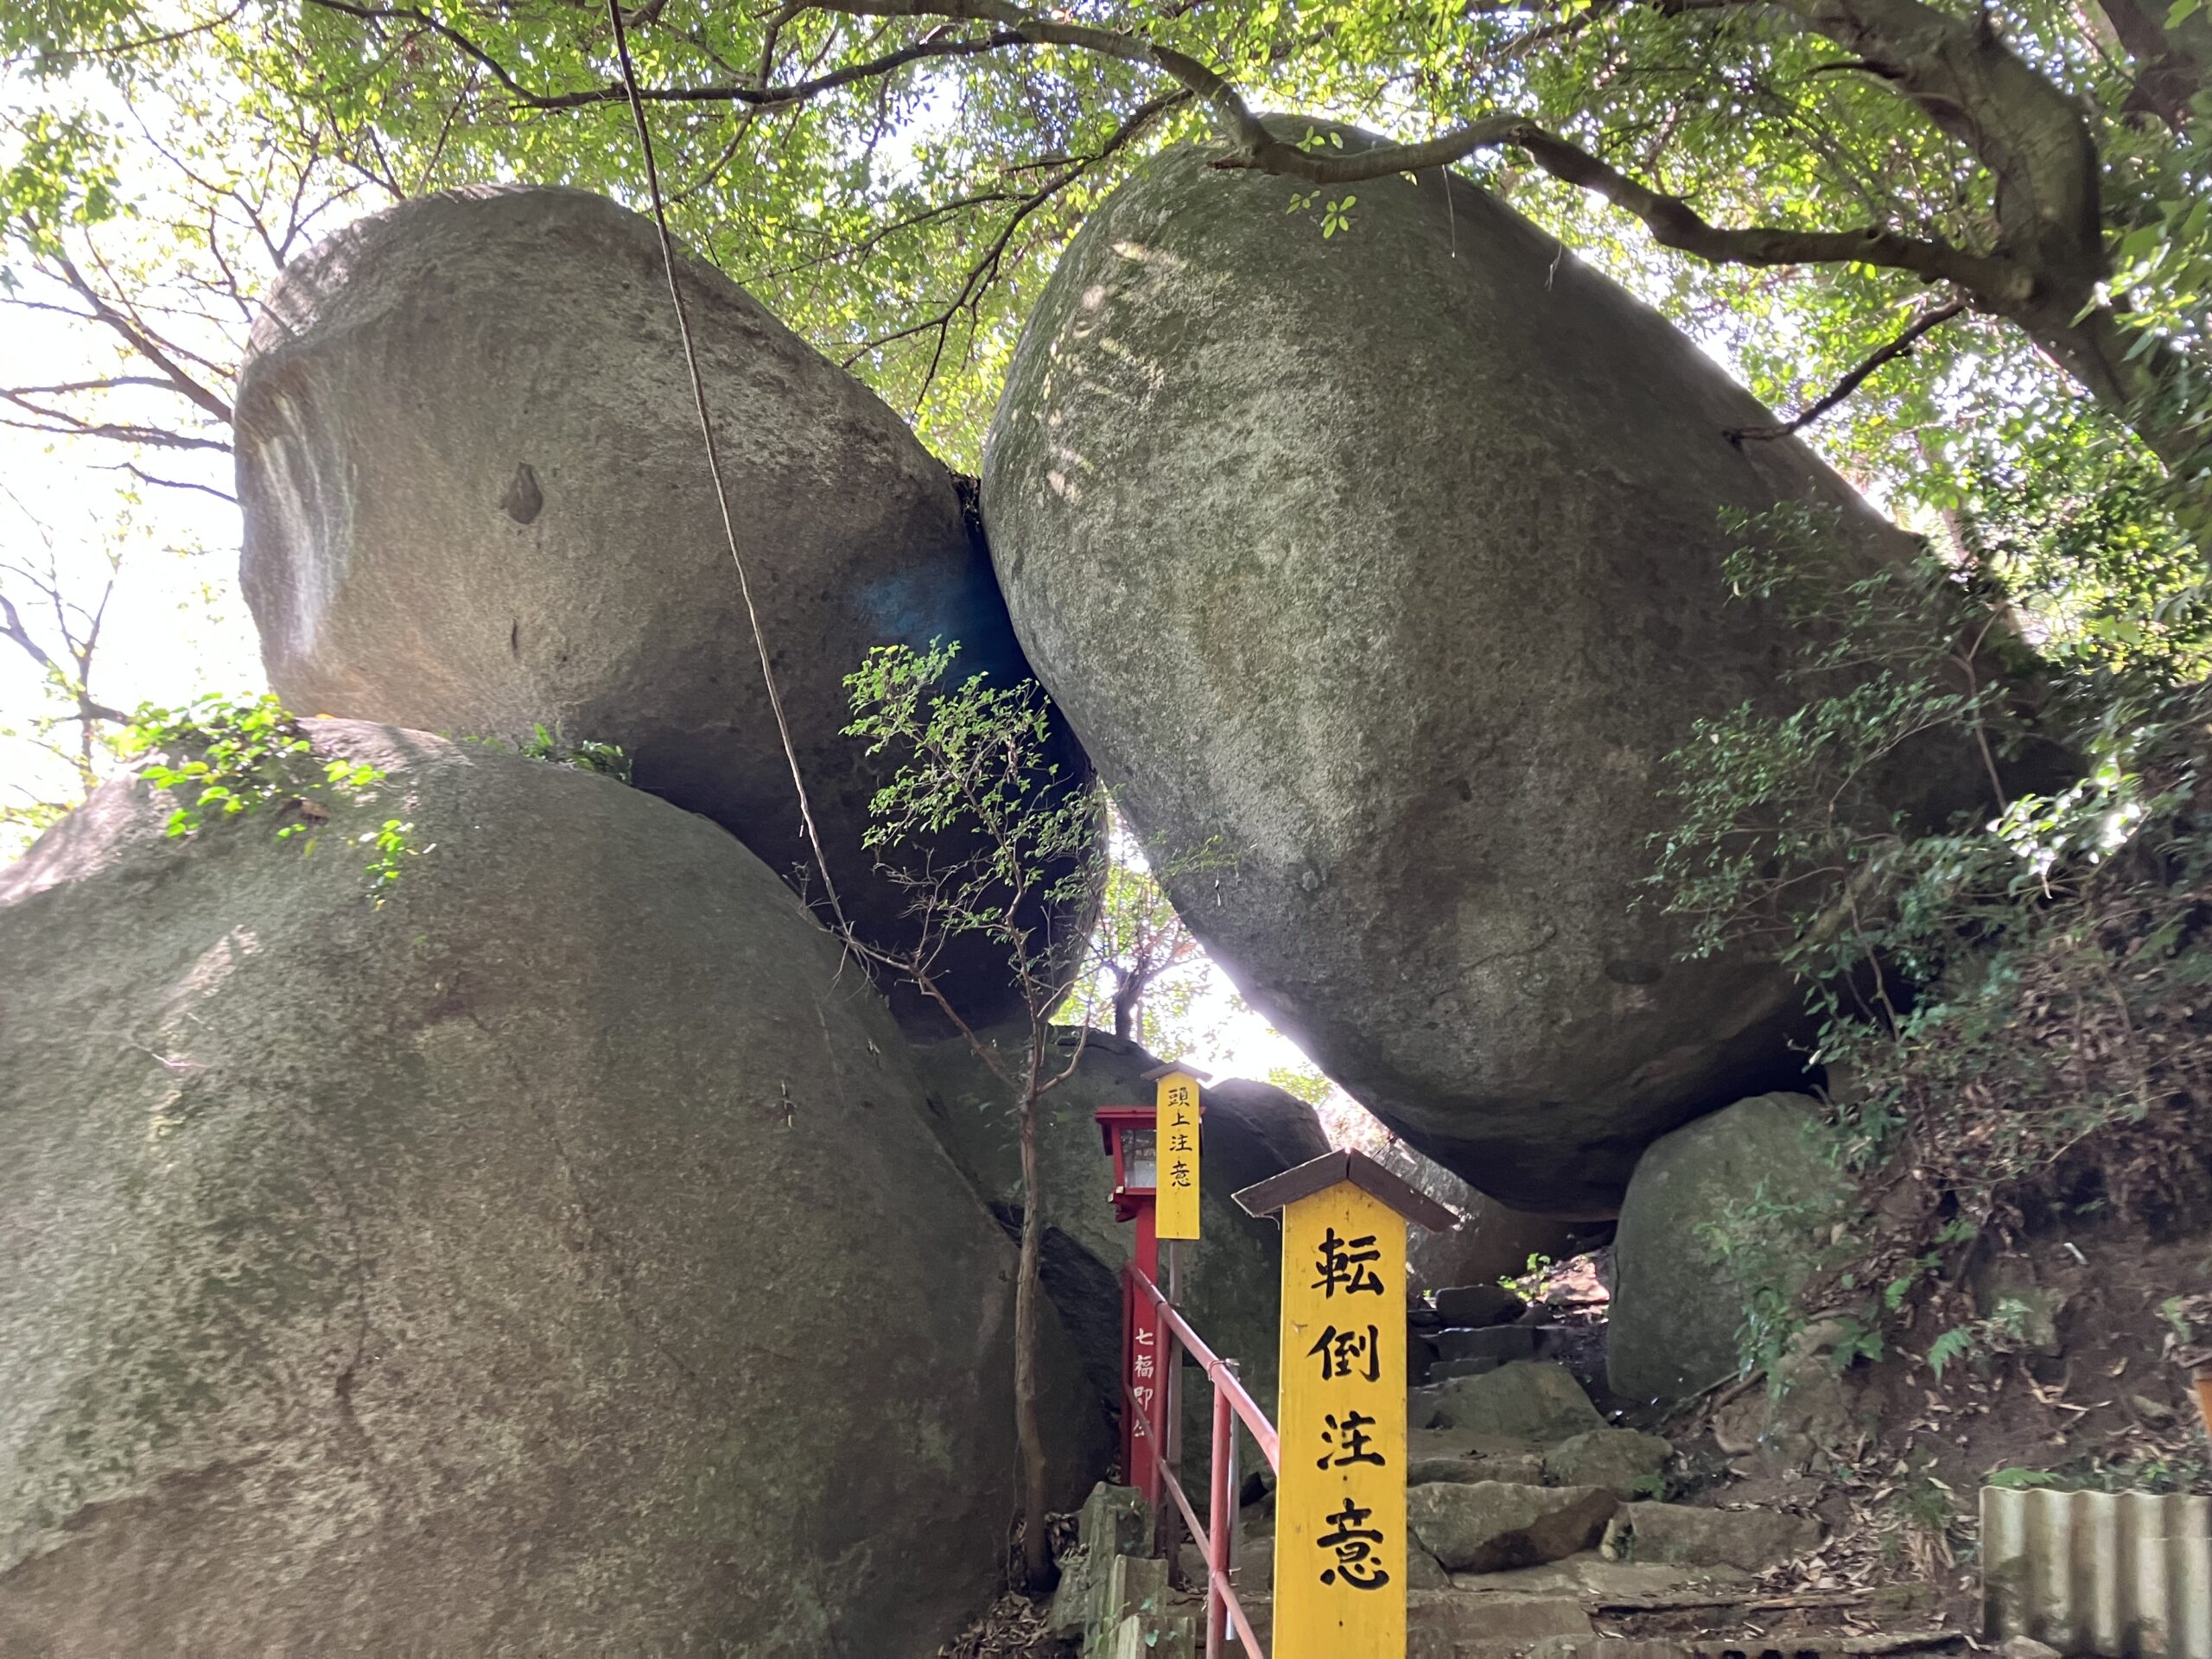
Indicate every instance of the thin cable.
{"type": "Point", "coordinates": [715, 460]}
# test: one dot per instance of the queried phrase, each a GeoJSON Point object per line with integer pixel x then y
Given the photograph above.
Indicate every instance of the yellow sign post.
{"type": "Point", "coordinates": [1340, 1499]}
{"type": "Point", "coordinates": [1176, 1116]}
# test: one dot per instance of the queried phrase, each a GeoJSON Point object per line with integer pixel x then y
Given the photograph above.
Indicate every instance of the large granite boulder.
{"type": "Point", "coordinates": [476, 499]}
{"type": "Point", "coordinates": [1492, 1241]}
{"type": "Point", "coordinates": [1394, 560]}
{"type": "Point", "coordinates": [552, 1260]}
{"type": "Point", "coordinates": [1680, 1295]}
{"type": "Point", "coordinates": [1232, 1286]}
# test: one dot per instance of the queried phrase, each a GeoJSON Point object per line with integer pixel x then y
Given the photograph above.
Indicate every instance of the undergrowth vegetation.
{"type": "Point", "coordinates": [2013, 984]}
{"type": "Point", "coordinates": [222, 759]}
{"type": "Point", "coordinates": [556, 747]}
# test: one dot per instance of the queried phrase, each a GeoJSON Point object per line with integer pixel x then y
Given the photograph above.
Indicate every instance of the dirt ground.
{"type": "Point", "coordinates": [2089, 1398]}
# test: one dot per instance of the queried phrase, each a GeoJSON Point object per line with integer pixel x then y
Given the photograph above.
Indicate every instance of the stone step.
{"type": "Point", "coordinates": [1478, 1305]}
{"type": "Point", "coordinates": [1469, 1351]}
{"type": "Point", "coordinates": [1455, 1624]}
{"type": "Point", "coordinates": [1496, 1343]}
{"type": "Point", "coordinates": [1537, 1612]}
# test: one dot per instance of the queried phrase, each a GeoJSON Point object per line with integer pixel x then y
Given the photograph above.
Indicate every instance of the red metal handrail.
{"type": "Point", "coordinates": [1263, 1431]}
{"type": "Point", "coordinates": [1222, 1609]}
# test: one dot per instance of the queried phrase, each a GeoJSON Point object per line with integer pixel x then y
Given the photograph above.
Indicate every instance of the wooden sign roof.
{"type": "Point", "coordinates": [1319, 1174]}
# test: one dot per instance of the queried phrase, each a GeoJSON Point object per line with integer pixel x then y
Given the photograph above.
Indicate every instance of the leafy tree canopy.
{"type": "Point", "coordinates": [1798, 179]}
{"type": "Point", "coordinates": [1994, 225]}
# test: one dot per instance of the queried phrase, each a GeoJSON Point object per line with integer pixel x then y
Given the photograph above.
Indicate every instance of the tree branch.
{"type": "Point", "coordinates": [124, 48]}
{"type": "Point", "coordinates": [62, 423]}
{"type": "Point", "coordinates": [11, 627]}
{"type": "Point", "coordinates": [1219, 93]}
{"type": "Point", "coordinates": [1901, 346]}
{"type": "Point", "coordinates": [1672, 222]}
{"type": "Point", "coordinates": [145, 477]}
{"type": "Point", "coordinates": [2043, 270]}
{"type": "Point", "coordinates": [142, 342]}
{"type": "Point", "coordinates": [980, 272]}
{"type": "Point", "coordinates": [758, 96]}
{"type": "Point", "coordinates": [1957, 71]}
{"type": "Point", "coordinates": [2170, 67]}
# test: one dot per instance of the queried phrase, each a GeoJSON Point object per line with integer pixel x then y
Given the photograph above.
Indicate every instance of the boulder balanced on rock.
{"type": "Point", "coordinates": [1393, 559]}
{"type": "Point", "coordinates": [552, 1260]}
{"type": "Point", "coordinates": [476, 499]}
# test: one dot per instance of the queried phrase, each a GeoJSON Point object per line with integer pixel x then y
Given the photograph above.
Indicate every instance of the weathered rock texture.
{"type": "Point", "coordinates": [476, 499]}
{"type": "Point", "coordinates": [1493, 1525]}
{"type": "Point", "coordinates": [1395, 560]}
{"type": "Point", "coordinates": [1527, 1401]}
{"type": "Point", "coordinates": [1622, 1460]}
{"type": "Point", "coordinates": [1233, 1286]}
{"type": "Point", "coordinates": [1749, 1539]}
{"type": "Point", "coordinates": [1677, 1303]}
{"type": "Point", "coordinates": [550, 1262]}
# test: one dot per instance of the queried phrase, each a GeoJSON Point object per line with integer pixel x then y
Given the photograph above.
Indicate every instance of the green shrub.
{"type": "Point", "coordinates": [223, 759]}
{"type": "Point", "coordinates": [2015, 1000]}
{"type": "Point", "coordinates": [554, 748]}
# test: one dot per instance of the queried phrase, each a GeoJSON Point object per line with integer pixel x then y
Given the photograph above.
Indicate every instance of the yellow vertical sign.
{"type": "Point", "coordinates": [1176, 1123]}
{"type": "Point", "coordinates": [1340, 1504]}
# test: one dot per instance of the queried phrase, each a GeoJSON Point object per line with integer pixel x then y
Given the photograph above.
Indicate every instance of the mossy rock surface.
{"type": "Point", "coordinates": [1395, 560]}
{"type": "Point", "coordinates": [1681, 1298]}
{"type": "Point", "coordinates": [553, 1261]}
{"type": "Point", "coordinates": [1530, 1401]}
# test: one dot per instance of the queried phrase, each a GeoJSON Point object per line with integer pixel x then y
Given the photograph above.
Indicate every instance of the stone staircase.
{"type": "Point", "coordinates": [1121, 1605]}
{"type": "Point", "coordinates": [1529, 1513]}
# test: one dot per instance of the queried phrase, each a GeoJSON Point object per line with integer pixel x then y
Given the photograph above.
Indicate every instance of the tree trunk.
{"type": "Point", "coordinates": [1036, 1546]}
{"type": "Point", "coordinates": [2150, 392]}
{"type": "Point", "coordinates": [1128, 996]}
{"type": "Point", "coordinates": [2043, 160]}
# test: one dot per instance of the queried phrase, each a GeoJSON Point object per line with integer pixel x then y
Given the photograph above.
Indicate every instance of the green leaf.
{"type": "Point", "coordinates": [2020, 1479]}
{"type": "Point", "coordinates": [1953, 1344]}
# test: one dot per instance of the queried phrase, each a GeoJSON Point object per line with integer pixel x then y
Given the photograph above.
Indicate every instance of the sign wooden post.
{"type": "Point", "coordinates": [1177, 1115]}
{"type": "Point", "coordinates": [1146, 1188]}
{"type": "Point", "coordinates": [1340, 1499]}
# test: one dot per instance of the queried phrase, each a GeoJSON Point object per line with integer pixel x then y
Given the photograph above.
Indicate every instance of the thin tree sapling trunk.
{"type": "Point", "coordinates": [1037, 1565]}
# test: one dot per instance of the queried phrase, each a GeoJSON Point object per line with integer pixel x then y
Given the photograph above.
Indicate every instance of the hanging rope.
{"type": "Point", "coordinates": [715, 460]}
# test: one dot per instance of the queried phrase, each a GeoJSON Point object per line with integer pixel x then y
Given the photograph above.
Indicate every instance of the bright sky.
{"type": "Point", "coordinates": [176, 626]}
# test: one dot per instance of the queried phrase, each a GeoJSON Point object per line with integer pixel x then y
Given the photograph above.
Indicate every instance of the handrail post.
{"type": "Point", "coordinates": [1169, 1530]}
{"type": "Point", "coordinates": [1231, 1399]}
{"type": "Point", "coordinates": [1221, 1518]}
{"type": "Point", "coordinates": [1235, 1368]}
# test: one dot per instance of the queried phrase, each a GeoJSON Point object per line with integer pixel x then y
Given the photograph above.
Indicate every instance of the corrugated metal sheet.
{"type": "Point", "coordinates": [2122, 1575]}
